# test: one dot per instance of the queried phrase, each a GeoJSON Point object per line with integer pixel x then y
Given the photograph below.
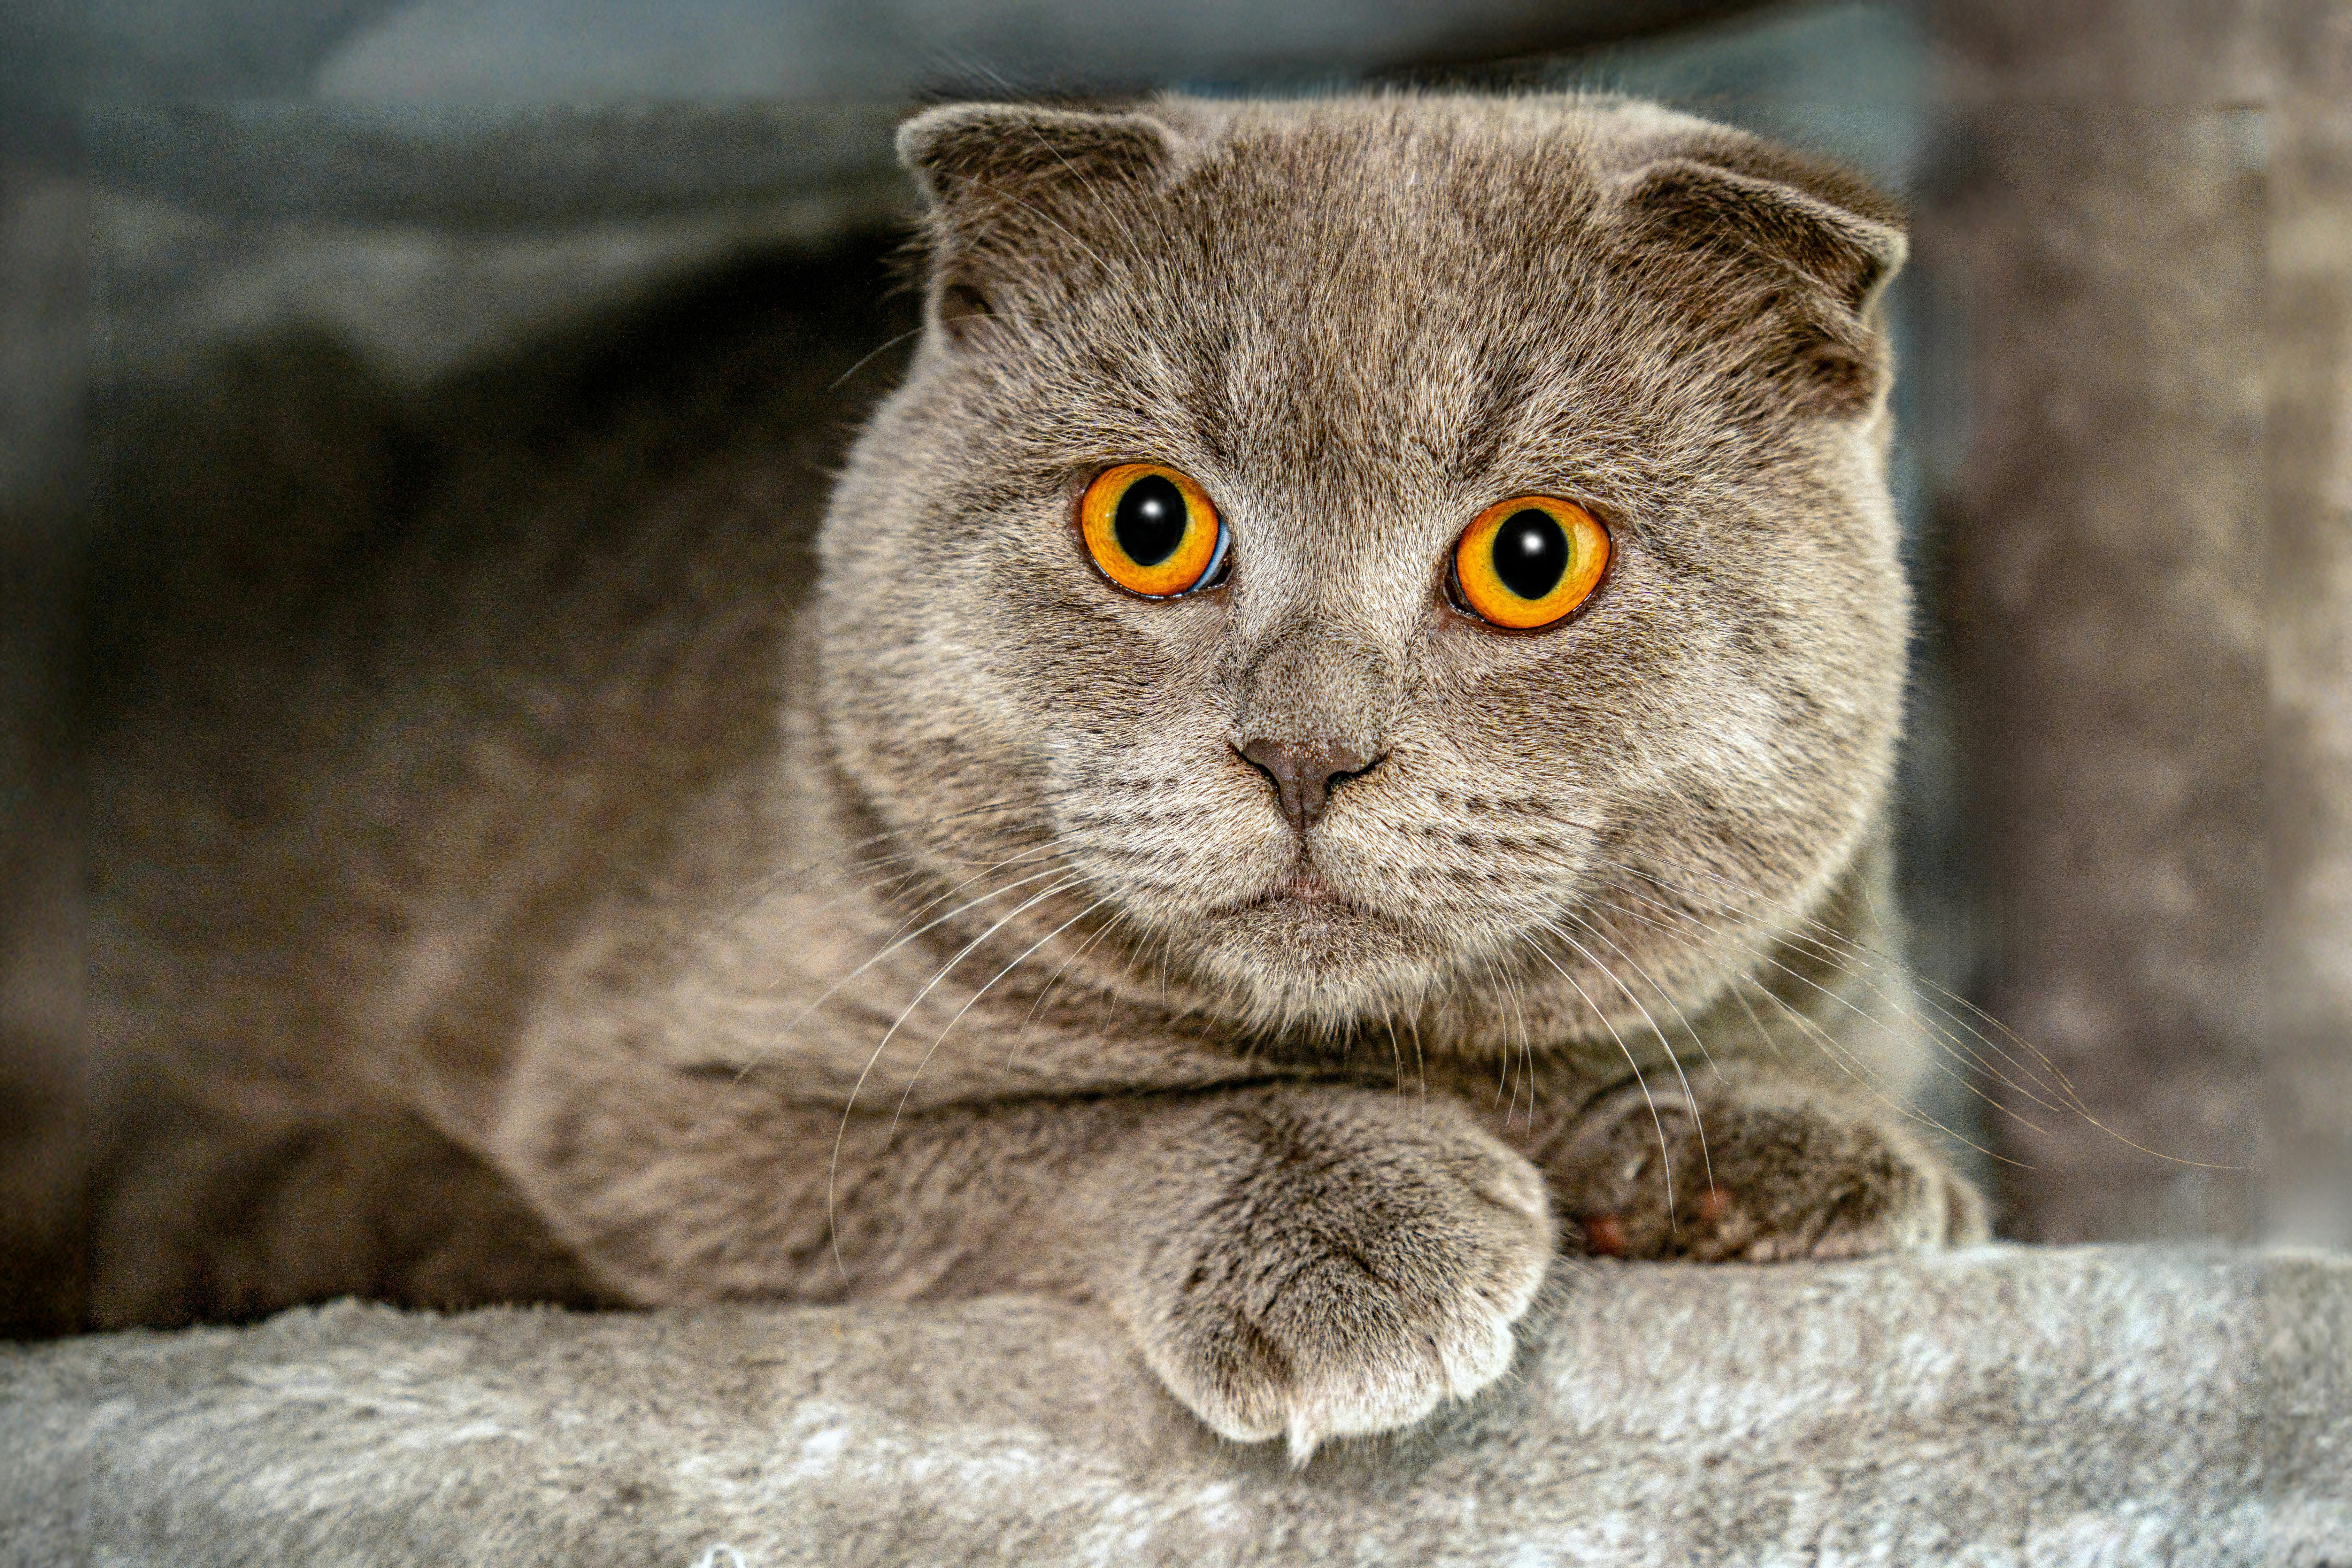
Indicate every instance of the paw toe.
{"type": "Point", "coordinates": [1792, 1176]}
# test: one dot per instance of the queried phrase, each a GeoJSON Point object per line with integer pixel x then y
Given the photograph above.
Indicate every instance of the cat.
{"type": "Point", "coordinates": [1333, 741]}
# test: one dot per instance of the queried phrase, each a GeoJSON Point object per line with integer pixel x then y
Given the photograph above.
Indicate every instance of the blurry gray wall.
{"type": "Point", "coordinates": [506, 112]}
{"type": "Point", "coordinates": [2147, 222]}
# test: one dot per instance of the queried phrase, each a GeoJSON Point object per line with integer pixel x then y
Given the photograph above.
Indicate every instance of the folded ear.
{"type": "Point", "coordinates": [1020, 193]}
{"type": "Point", "coordinates": [1791, 253]}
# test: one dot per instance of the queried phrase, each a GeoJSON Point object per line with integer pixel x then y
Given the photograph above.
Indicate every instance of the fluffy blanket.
{"type": "Point", "coordinates": [2006, 1405]}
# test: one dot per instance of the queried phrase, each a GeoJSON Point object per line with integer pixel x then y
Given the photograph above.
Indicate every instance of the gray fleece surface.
{"type": "Point", "coordinates": [2101, 1406]}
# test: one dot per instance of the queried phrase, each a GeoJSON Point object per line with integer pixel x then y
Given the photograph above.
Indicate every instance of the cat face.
{"type": "Point", "coordinates": [1319, 789]}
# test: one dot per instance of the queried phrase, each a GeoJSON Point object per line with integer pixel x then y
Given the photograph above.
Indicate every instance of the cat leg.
{"type": "Point", "coordinates": [1757, 1168]}
{"type": "Point", "coordinates": [1300, 1261]}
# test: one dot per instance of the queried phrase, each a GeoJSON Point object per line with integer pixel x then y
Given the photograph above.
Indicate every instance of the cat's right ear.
{"type": "Point", "coordinates": [1012, 191]}
{"type": "Point", "coordinates": [1785, 256]}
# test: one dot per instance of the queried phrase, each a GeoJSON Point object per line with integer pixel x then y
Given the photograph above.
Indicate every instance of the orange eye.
{"type": "Point", "coordinates": [1152, 531]}
{"type": "Point", "coordinates": [1528, 561]}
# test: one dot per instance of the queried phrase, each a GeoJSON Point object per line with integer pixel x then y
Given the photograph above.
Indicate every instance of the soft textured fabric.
{"type": "Point", "coordinates": [1998, 1406]}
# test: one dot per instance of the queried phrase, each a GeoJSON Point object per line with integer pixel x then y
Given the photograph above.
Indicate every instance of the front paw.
{"type": "Point", "coordinates": [1759, 1173]}
{"type": "Point", "coordinates": [1320, 1264]}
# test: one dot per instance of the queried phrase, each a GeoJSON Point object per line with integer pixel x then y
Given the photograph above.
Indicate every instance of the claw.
{"type": "Point", "coordinates": [1303, 1441]}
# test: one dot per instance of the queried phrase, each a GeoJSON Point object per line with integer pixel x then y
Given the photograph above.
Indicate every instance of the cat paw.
{"type": "Point", "coordinates": [1341, 1266]}
{"type": "Point", "coordinates": [1760, 1174]}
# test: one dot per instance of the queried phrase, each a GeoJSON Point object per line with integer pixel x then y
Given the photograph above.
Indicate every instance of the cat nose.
{"type": "Point", "coordinates": [1304, 775]}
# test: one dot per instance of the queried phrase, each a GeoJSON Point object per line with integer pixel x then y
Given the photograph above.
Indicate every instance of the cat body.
{"type": "Point", "coordinates": [1290, 966]}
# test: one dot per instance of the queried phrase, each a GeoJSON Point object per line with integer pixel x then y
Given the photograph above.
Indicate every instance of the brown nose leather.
{"type": "Point", "coordinates": [1304, 775]}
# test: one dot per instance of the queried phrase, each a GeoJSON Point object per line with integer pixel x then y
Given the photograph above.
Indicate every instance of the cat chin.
{"type": "Point", "coordinates": [1309, 956]}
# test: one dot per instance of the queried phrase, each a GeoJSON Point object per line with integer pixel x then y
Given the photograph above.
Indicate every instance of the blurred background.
{"type": "Point", "coordinates": [2125, 462]}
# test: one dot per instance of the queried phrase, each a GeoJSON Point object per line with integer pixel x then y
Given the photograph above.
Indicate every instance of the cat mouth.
{"type": "Point", "coordinates": [1304, 884]}
{"type": "Point", "coordinates": [1301, 887]}
{"type": "Point", "coordinates": [1305, 939]}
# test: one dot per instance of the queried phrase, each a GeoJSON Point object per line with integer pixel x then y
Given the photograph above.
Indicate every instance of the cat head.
{"type": "Point", "coordinates": [1380, 558]}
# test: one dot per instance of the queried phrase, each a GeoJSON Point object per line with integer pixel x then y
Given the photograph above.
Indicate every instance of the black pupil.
{"type": "Point", "coordinates": [1530, 553]}
{"type": "Point", "coordinates": [1150, 522]}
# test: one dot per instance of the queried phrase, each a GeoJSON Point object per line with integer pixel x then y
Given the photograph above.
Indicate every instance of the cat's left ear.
{"type": "Point", "coordinates": [1793, 255]}
{"type": "Point", "coordinates": [1013, 192]}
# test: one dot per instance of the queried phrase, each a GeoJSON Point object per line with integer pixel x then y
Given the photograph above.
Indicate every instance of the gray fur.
{"type": "Point", "coordinates": [2001, 1408]}
{"type": "Point", "coordinates": [928, 935]}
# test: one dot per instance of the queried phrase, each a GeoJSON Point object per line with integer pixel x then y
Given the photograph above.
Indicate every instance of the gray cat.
{"type": "Point", "coordinates": [1339, 742]}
